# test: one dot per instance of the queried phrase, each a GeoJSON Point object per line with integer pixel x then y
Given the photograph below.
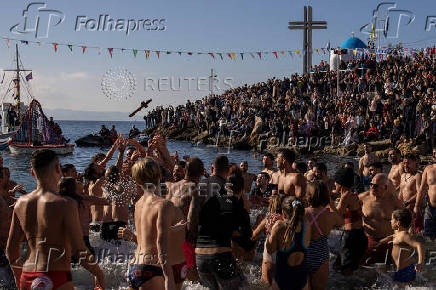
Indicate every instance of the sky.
{"type": "Point", "coordinates": [68, 82]}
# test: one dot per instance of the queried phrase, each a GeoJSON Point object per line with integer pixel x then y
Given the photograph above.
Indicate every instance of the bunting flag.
{"type": "Point", "coordinates": [380, 54]}
{"type": "Point", "coordinates": [147, 54]}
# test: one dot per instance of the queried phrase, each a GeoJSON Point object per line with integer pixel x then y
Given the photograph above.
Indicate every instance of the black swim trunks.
{"type": "Point", "coordinates": [354, 244]}
{"type": "Point", "coordinates": [141, 273]}
{"type": "Point", "coordinates": [430, 222]}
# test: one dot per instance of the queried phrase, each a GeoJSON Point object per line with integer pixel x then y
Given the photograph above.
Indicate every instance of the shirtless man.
{"type": "Point", "coordinates": [248, 177]}
{"type": "Point", "coordinates": [288, 182]}
{"type": "Point", "coordinates": [394, 157]}
{"type": "Point", "coordinates": [154, 216]}
{"type": "Point", "coordinates": [50, 225]}
{"type": "Point", "coordinates": [377, 207]}
{"type": "Point", "coordinates": [320, 173]}
{"type": "Point", "coordinates": [428, 188]}
{"type": "Point", "coordinates": [364, 163]}
{"type": "Point", "coordinates": [93, 173]}
{"type": "Point", "coordinates": [268, 164]}
{"type": "Point", "coordinates": [410, 181]}
{"type": "Point", "coordinates": [310, 164]}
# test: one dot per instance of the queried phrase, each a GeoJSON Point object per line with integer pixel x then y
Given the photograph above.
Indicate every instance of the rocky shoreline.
{"type": "Point", "coordinates": [266, 143]}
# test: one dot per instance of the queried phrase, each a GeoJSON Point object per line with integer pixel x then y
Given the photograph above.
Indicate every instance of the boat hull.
{"type": "Point", "coordinates": [25, 149]}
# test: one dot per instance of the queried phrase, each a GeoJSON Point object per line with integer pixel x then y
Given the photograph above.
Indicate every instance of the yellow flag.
{"type": "Point", "coordinates": [233, 55]}
{"type": "Point", "coordinates": [297, 51]}
{"type": "Point", "coordinates": [372, 31]}
{"type": "Point", "coordinates": [282, 52]}
{"type": "Point", "coordinates": [147, 54]}
{"type": "Point", "coordinates": [354, 52]}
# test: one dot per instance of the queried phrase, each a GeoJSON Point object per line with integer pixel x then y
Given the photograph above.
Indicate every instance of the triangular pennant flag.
{"type": "Point", "coordinates": [260, 55]}
{"type": "Point", "coordinates": [158, 53]}
{"type": "Point", "coordinates": [229, 55]}
{"type": "Point", "coordinates": [275, 53]}
{"type": "Point", "coordinates": [297, 51]}
{"type": "Point", "coordinates": [290, 53]}
{"type": "Point", "coordinates": [25, 42]}
{"type": "Point", "coordinates": [316, 50]}
{"type": "Point", "coordinates": [83, 49]}
{"type": "Point", "coordinates": [355, 52]}
{"type": "Point", "coordinates": [135, 51]}
{"type": "Point", "coordinates": [110, 51]}
{"type": "Point", "coordinates": [168, 52]}
{"type": "Point", "coordinates": [242, 55]}
{"type": "Point", "coordinates": [282, 52]}
{"type": "Point", "coordinates": [179, 52]}
{"type": "Point", "coordinates": [323, 50]}
{"type": "Point", "coordinates": [147, 54]}
{"type": "Point", "coordinates": [211, 54]}
{"type": "Point", "coordinates": [55, 45]}
{"type": "Point", "coordinates": [252, 55]}
{"type": "Point", "coordinates": [233, 55]}
{"type": "Point", "coordinates": [8, 42]}
{"type": "Point", "coordinates": [189, 53]}
{"type": "Point", "coordinates": [99, 50]}
{"type": "Point", "coordinates": [123, 49]}
{"type": "Point", "coordinates": [221, 55]}
{"type": "Point", "coordinates": [39, 43]}
{"type": "Point", "coordinates": [70, 47]}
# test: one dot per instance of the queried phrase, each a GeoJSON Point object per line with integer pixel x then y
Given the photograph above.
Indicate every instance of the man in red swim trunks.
{"type": "Point", "coordinates": [50, 225]}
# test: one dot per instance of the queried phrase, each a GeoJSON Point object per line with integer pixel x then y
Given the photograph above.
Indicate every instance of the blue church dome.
{"type": "Point", "coordinates": [353, 43]}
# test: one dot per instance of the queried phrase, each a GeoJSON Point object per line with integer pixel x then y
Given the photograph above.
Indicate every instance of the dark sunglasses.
{"type": "Point", "coordinates": [374, 185]}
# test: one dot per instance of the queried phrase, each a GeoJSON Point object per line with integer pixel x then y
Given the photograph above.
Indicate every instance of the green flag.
{"type": "Point", "coordinates": [135, 52]}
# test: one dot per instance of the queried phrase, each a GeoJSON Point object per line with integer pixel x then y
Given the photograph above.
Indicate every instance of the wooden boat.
{"type": "Point", "coordinates": [37, 132]}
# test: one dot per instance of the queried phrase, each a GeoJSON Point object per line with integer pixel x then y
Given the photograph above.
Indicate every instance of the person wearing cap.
{"type": "Point", "coordinates": [354, 241]}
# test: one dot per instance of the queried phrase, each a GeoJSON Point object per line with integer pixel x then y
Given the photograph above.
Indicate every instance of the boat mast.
{"type": "Point", "coordinates": [17, 80]}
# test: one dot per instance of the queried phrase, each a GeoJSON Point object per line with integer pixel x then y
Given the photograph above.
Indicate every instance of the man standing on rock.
{"type": "Point", "coordinates": [364, 163]}
{"type": "Point", "coordinates": [428, 186]}
{"type": "Point", "coordinates": [394, 157]}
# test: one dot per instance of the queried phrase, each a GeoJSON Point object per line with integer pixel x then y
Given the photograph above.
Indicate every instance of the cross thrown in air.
{"type": "Point", "coordinates": [307, 25]}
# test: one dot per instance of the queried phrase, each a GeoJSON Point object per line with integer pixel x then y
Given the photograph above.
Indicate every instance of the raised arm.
{"type": "Point", "coordinates": [121, 148]}
{"type": "Point", "coordinates": [139, 147]}
{"type": "Point", "coordinates": [95, 200]}
{"type": "Point", "coordinates": [111, 152]}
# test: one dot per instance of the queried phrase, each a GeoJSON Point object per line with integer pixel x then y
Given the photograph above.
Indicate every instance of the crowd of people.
{"type": "Point", "coordinates": [191, 224]}
{"type": "Point", "coordinates": [393, 98]}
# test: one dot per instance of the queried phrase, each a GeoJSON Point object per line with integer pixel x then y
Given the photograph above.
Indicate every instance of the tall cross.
{"type": "Point", "coordinates": [307, 25]}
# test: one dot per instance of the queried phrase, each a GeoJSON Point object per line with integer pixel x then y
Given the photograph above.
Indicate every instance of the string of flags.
{"type": "Point", "coordinates": [357, 53]}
